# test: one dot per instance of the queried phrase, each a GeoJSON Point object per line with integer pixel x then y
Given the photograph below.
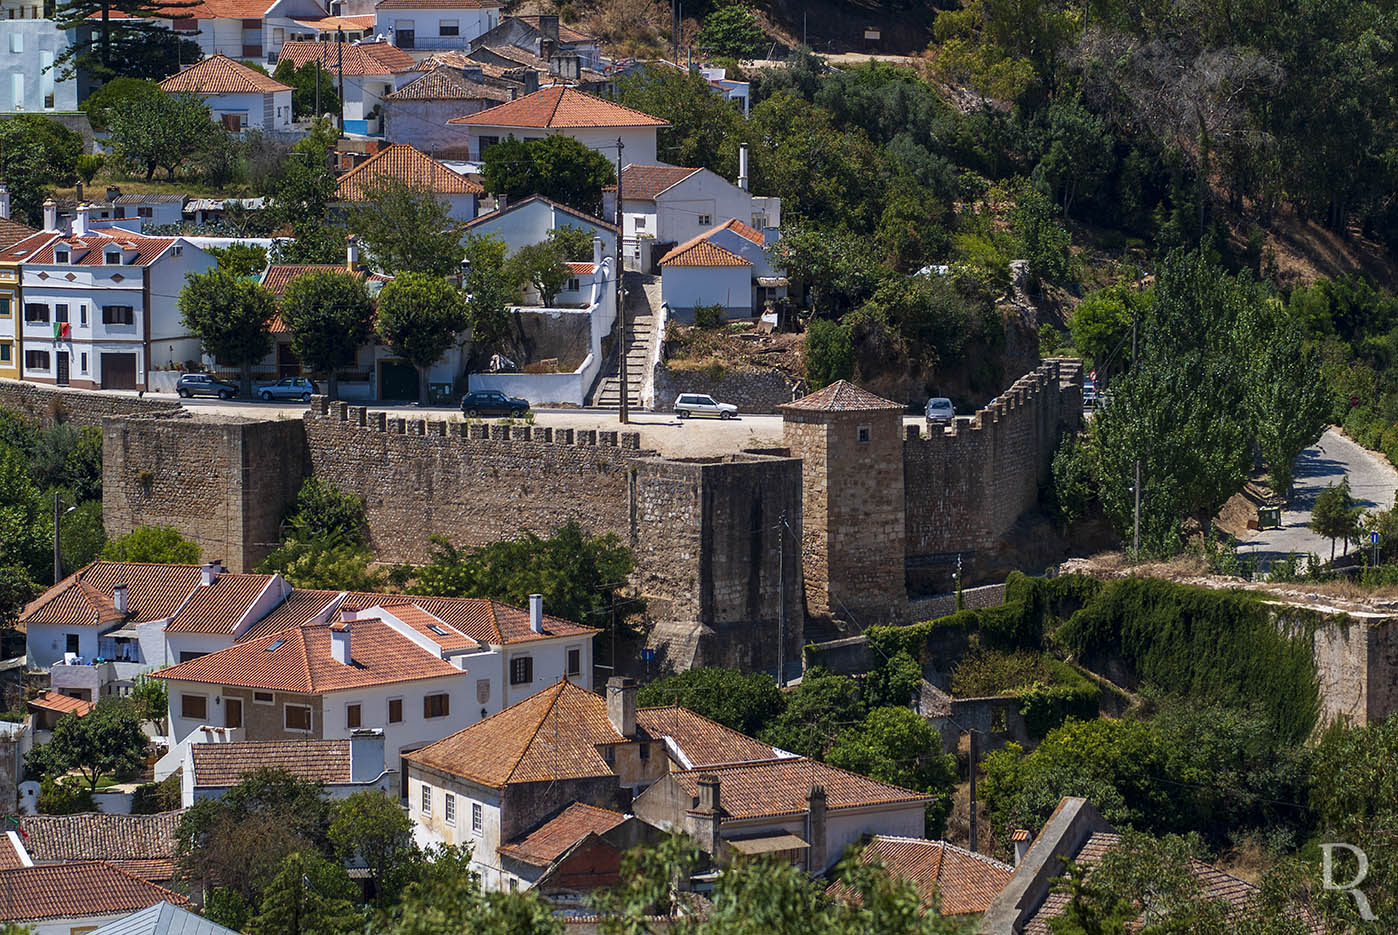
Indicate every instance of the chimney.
{"type": "Point", "coordinates": [50, 215]}
{"type": "Point", "coordinates": [621, 705]}
{"type": "Point", "coordinates": [340, 643]}
{"type": "Point", "coordinates": [707, 817]}
{"type": "Point", "coordinates": [347, 614]}
{"type": "Point", "coordinates": [78, 190]}
{"type": "Point", "coordinates": [536, 613]}
{"type": "Point", "coordinates": [119, 599]}
{"type": "Point", "coordinates": [351, 253]}
{"type": "Point", "coordinates": [4, 201]}
{"type": "Point", "coordinates": [81, 227]}
{"type": "Point", "coordinates": [815, 817]}
{"type": "Point", "coordinates": [596, 252]}
{"type": "Point", "coordinates": [209, 573]}
{"type": "Point", "coordinates": [531, 81]}
{"type": "Point", "coordinates": [547, 48]}
{"type": "Point", "coordinates": [743, 166]}
{"type": "Point", "coordinates": [1021, 841]}
{"type": "Point", "coordinates": [366, 754]}
{"type": "Point", "coordinates": [548, 28]}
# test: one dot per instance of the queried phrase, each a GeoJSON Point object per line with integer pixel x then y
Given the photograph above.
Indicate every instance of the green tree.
{"type": "Point", "coordinates": [447, 897]}
{"type": "Point", "coordinates": [815, 713]}
{"type": "Point", "coordinates": [35, 154]}
{"type": "Point", "coordinates": [578, 575]}
{"type": "Point", "coordinates": [900, 746]}
{"type": "Point", "coordinates": [829, 353]}
{"type": "Point", "coordinates": [373, 827]}
{"type": "Point", "coordinates": [83, 537]}
{"type": "Point", "coordinates": [542, 265]}
{"type": "Point", "coordinates": [1101, 327]}
{"type": "Point", "coordinates": [163, 131]}
{"type": "Point", "coordinates": [419, 317]}
{"type": "Point", "coordinates": [100, 104]}
{"type": "Point", "coordinates": [557, 167]}
{"type": "Point", "coordinates": [838, 270]}
{"type": "Point", "coordinates": [122, 38]}
{"type": "Point", "coordinates": [107, 741]}
{"type": "Point", "coordinates": [489, 290]}
{"type": "Point", "coordinates": [309, 896]}
{"type": "Point", "coordinates": [703, 126]}
{"type": "Point", "coordinates": [732, 32]}
{"type": "Point", "coordinates": [324, 564]}
{"type": "Point", "coordinates": [303, 88]}
{"type": "Point", "coordinates": [157, 544]}
{"type": "Point", "coordinates": [243, 260]}
{"type": "Point", "coordinates": [1335, 515]}
{"type": "Point", "coordinates": [151, 698]}
{"type": "Point", "coordinates": [300, 197]}
{"type": "Point", "coordinates": [575, 242]}
{"type": "Point", "coordinates": [26, 521]}
{"type": "Point", "coordinates": [231, 317]}
{"type": "Point", "coordinates": [330, 316]}
{"type": "Point", "coordinates": [1286, 397]}
{"type": "Point", "coordinates": [745, 702]}
{"type": "Point", "coordinates": [17, 589]}
{"type": "Point", "coordinates": [893, 681]}
{"type": "Point", "coordinates": [407, 229]}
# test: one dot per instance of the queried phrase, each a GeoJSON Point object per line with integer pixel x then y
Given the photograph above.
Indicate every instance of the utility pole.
{"type": "Point", "coordinates": [318, 112]}
{"type": "Point", "coordinates": [1136, 488]}
{"type": "Point", "coordinates": [781, 603]}
{"type": "Point", "coordinates": [624, 416]}
{"type": "Point", "coordinates": [340, 67]}
{"type": "Point", "coordinates": [972, 762]}
{"type": "Point", "coordinates": [58, 514]}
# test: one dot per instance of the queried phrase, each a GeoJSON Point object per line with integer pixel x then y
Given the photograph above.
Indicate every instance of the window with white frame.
{"type": "Point", "coordinates": [705, 220]}
{"type": "Point", "coordinates": [426, 799]}
{"type": "Point", "coordinates": [477, 818]}
{"type": "Point", "coordinates": [449, 811]}
{"type": "Point", "coordinates": [449, 27]}
{"type": "Point", "coordinates": [521, 670]}
{"type": "Point", "coordinates": [575, 662]}
{"type": "Point", "coordinates": [194, 706]}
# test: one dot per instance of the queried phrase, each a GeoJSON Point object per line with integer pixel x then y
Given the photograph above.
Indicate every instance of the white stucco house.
{"type": "Point", "coordinates": [100, 306]}
{"type": "Point", "coordinates": [529, 220]}
{"type": "Point", "coordinates": [372, 71]}
{"type": "Point", "coordinates": [411, 166]}
{"type": "Point", "coordinates": [435, 24]}
{"type": "Point", "coordinates": [238, 97]}
{"type": "Point", "coordinates": [726, 266]}
{"type": "Point", "coordinates": [29, 44]}
{"type": "Point", "coordinates": [663, 206]}
{"type": "Point", "coordinates": [553, 111]}
{"type": "Point", "coordinates": [341, 767]}
{"type": "Point", "coordinates": [253, 30]}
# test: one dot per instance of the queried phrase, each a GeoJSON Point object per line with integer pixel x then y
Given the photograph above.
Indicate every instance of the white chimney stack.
{"type": "Point", "coordinates": [351, 253]}
{"type": "Point", "coordinates": [119, 599]}
{"type": "Point", "coordinates": [4, 201]}
{"type": "Point", "coordinates": [1021, 842]}
{"type": "Point", "coordinates": [80, 223]}
{"type": "Point", "coordinates": [596, 252]}
{"type": "Point", "coordinates": [743, 167]}
{"type": "Point", "coordinates": [348, 613]}
{"type": "Point", "coordinates": [209, 574]}
{"type": "Point", "coordinates": [536, 613]}
{"type": "Point", "coordinates": [50, 215]}
{"type": "Point", "coordinates": [340, 643]}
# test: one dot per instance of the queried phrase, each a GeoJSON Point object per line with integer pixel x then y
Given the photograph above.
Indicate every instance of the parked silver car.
{"type": "Point", "coordinates": [697, 404]}
{"type": "Point", "coordinates": [290, 388]}
{"type": "Point", "coordinates": [940, 409]}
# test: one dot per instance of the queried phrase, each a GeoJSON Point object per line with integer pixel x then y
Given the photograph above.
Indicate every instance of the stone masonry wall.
{"type": "Point", "coordinates": [750, 392]}
{"type": "Point", "coordinates": [472, 483]}
{"type": "Point", "coordinates": [718, 540]}
{"type": "Point", "coordinates": [81, 407]}
{"type": "Point", "coordinates": [224, 485]}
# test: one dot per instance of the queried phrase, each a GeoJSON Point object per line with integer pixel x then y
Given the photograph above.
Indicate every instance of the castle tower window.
{"type": "Point", "coordinates": [862, 434]}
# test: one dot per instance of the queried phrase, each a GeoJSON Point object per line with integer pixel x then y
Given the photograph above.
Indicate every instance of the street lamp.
{"type": "Point", "coordinates": [58, 514]}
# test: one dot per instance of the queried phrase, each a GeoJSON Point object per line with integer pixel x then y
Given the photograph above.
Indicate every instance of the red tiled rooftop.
{"type": "Point", "coordinates": [643, 183]}
{"type": "Point", "coordinates": [76, 891]}
{"type": "Point", "coordinates": [547, 843]}
{"type": "Point", "coordinates": [701, 252]}
{"type": "Point", "coordinates": [91, 249]}
{"type": "Point", "coordinates": [100, 836]}
{"type": "Point", "coordinates": [357, 59]}
{"type": "Point", "coordinates": [841, 396]}
{"type": "Point", "coordinates": [219, 74]}
{"type": "Point", "coordinates": [62, 704]}
{"type": "Point", "coordinates": [406, 164]}
{"type": "Point", "coordinates": [963, 881]}
{"type": "Point", "coordinates": [153, 592]}
{"type": "Point", "coordinates": [560, 107]}
{"type": "Point", "coordinates": [700, 741]}
{"type": "Point", "coordinates": [224, 764]}
{"type": "Point", "coordinates": [775, 788]}
{"type": "Point", "coordinates": [218, 607]}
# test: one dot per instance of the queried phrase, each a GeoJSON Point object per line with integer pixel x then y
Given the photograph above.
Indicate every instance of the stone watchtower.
{"type": "Point", "coordinates": [850, 443]}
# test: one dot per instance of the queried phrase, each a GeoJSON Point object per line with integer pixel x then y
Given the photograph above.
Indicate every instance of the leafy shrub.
{"type": "Point", "coordinates": [66, 797]}
{"type": "Point", "coordinates": [990, 672]}
{"type": "Point", "coordinates": [829, 353]}
{"type": "Point", "coordinates": [708, 316]}
{"type": "Point", "coordinates": [160, 544]}
{"type": "Point", "coordinates": [150, 798]}
{"type": "Point", "coordinates": [744, 702]}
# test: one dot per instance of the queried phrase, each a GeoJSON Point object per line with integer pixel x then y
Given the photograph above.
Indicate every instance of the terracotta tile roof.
{"type": "Point", "coordinates": [9, 854]}
{"type": "Point", "coordinates": [483, 621]}
{"type": "Point", "coordinates": [516, 205]}
{"type": "Point", "coordinates": [700, 741]}
{"type": "Point", "coordinates": [582, 269]}
{"type": "Point", "coordinates": [407, 164]}
{"type": "Point", "coordinates": [963, 880]}
{"type": "Point", "coordinates": [392, 56]}
{"type": "Point", "coordinates": [330, 24]}
{"type": "Point", "coordinates": [219, 74]}
{"type": "Point", "coordinates": [438, 4]}
{"type": "Point", "coordinates": [841, 396]}
{"type": "Point", "coordinates": [548, 841]}
{"type": "Point", "coordinates": [224, 764]}
{"type": "Point", "coordinates": [742, 230]}
{"type": "Point", "coordinates": [300, 661]}
{"type": "Point", "coordinates": [153, 198]}
{"type": "Point", "coordinates": [779, 787]}
{"type": "Point", "coordinates": [76, 891]}
{"type": "Point", "coordinates": [53, 701]}
{"type": "Point", "coordinates": [278, 276]}
{"type": "Point", "coordinates": [302, 606]}
{"type": "Point", "coordinates": [90, 249]}
{"type": "Point", "coordinates": [643, 183]}
{"type": "Point", "coordinates": [153, 592]}
{"type": "Point", "coordinates": [161, 870]}
{"type": "Point", "coordinates": [565, 33]}
{"type": "Point", "coordinates": [552, 735]}
{"type": "Point", "coordinates": [357, 60]}
{"type": "Point", "coordinates": [560, 107]}
{"type": "Point", "coordinates": [701, 252]}
{"type": "Point", "coordinates": [207, 9]}
{"type": "Point", "coordinates": [12, 232]}
{"type": "Point", "coordinates": [433, 627]}
{"type": "Point", "coordinates": [446, 84]}
{"type": "Point", "coordinates": [99, 836]}
{"type": "Point", "coordinates": [218, 607]}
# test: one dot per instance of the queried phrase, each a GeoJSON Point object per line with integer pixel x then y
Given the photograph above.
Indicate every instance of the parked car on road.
{"type": "Point", "coordinates": [493, 403]}
{"type": "Point", "coordinates": [697, 404]}
{"type": "Point", "coordinates": [940, 409]}
{"type": "Point", "coordinates": [201, 384]}
{"type": "Point", "coordinates": [290, 388]}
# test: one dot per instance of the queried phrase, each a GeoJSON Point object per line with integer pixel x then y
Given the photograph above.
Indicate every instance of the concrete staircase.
{"type": "Point", "coordinates": [642, 296]}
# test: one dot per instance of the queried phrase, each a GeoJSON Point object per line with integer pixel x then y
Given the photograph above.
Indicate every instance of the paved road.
{"type": "Point", "coordinates": [1371, 478]}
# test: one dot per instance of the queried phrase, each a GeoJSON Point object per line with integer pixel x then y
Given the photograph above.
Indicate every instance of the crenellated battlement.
{"type": "Point", "coordinates": [380, 422]}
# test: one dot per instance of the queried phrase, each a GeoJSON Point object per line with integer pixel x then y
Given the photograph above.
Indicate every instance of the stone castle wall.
{"type": "Point", "coordinates": [46, 405]}
{"type": "Point", "coordinates": [761, 391]}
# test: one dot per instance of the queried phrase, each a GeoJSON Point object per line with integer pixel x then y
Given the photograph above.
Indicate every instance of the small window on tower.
{"type": "Point", "coordinates": [862, 434]}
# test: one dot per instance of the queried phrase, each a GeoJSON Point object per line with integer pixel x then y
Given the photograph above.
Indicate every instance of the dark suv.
{"type": "Point", "coordinates": [493, 403]}
{"type": "Point", "coordinates": [201, 384]}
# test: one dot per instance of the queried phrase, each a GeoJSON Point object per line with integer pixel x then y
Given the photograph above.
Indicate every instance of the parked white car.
{"type": "Point", "coordinates": [697, 404]}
